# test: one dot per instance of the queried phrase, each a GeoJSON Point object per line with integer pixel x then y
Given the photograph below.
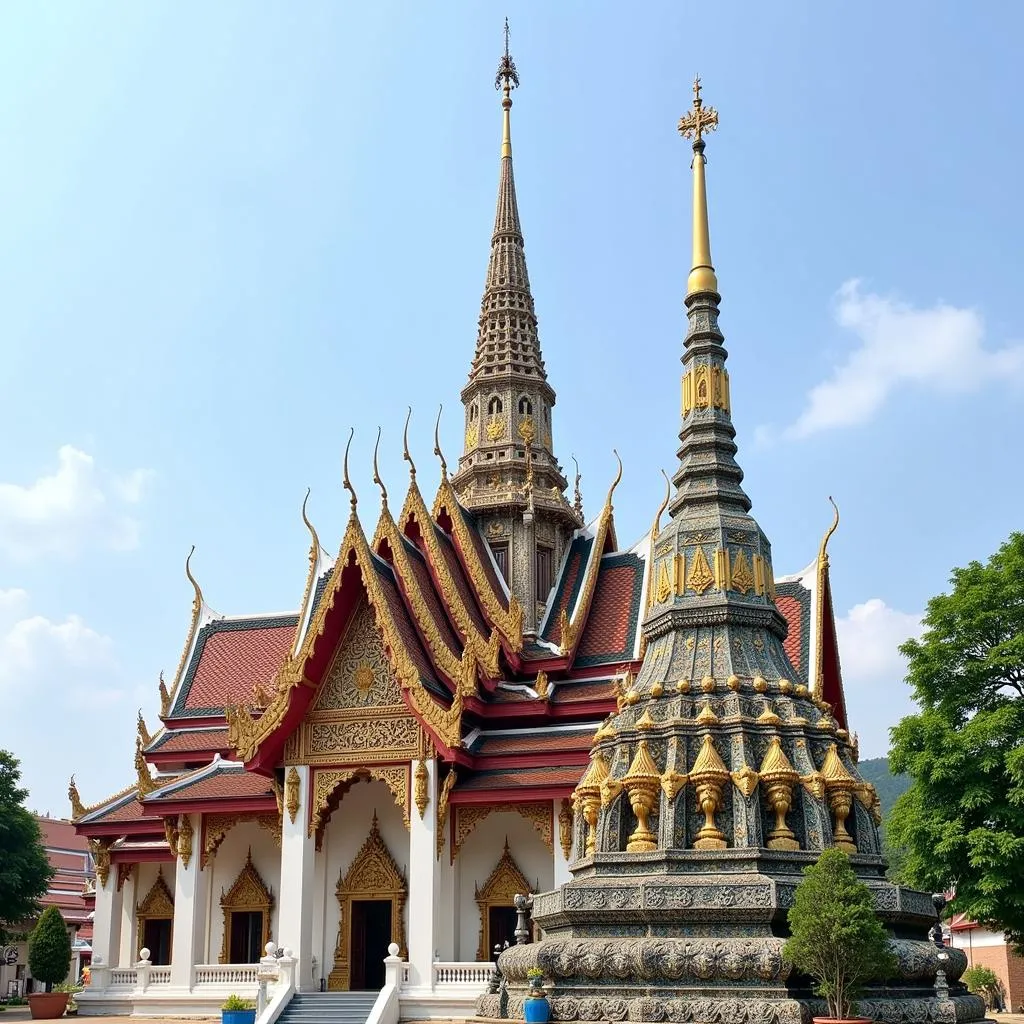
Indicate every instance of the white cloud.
{"type": "Point", "coordinates": [61, 687]}
{"type": "Point", "coordinates": [873, 670]}
{"type": "Point", "coordinates": [897, 344]}
{"type": "Point", "coordinates": [77, 506]}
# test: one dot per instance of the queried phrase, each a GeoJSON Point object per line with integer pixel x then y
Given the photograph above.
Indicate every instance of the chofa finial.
{"type": "Point", "coordinates": [405, 446]}
{"type": "Point", "coordinates": [823, 550]}
{"type": "Point", "coordinates": [314, 550]}
{"type": "Point", "coordinates": [577, 496]}
{"type": "Point", "coordinates": [376, 474]}
{"type": "Point", "coordinates": [615, 482]}
{"type": "Point", "coordinates": [437, 444]}
{"type": "Point", "coordinates": [345, 481]}
{"type": "Point", "coordinates": [192, 580]}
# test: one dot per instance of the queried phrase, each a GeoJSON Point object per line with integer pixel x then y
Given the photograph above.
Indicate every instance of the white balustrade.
{"type": "Point", "coordinates": [160, 976]}
{"type": "Point", "coordinates": [123, 976]}
{"type": "Point", "coordinates": [462, 973]}
{"type": "Point", "coordinates": [226, 974]}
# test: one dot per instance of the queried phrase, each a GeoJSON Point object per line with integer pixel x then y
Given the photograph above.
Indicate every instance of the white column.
{"type": "Point", "coordinates": [423, 884]}
{"type": "Point", "coordinates": [447, 904]}
{"type": "Point", "coordinates": [561, 862]}
{"type": "Point", "coordinates": [295, 916]}
{"type": "Point", "coordinates": [129, 945]}
{"type": "Point", "coordinates": [106, 926]}
{"type": "Point", "coordinates": [189, 912]}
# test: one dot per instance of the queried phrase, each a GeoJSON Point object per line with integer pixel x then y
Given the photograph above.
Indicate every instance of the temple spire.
{"type": "Point", "coordinates": [508, 468]}
{"type": "Point", "coordinates": [693, 125]}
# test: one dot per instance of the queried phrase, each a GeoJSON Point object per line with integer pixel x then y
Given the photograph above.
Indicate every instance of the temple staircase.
{"type": "Point", "coordinates": [328, 1008]}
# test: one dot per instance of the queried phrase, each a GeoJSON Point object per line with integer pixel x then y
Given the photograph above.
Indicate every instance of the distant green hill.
{"type": "Point", "coordinates": [876, 771]}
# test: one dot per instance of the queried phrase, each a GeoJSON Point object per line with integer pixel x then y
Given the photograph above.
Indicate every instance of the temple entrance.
{"type": "Point", "coordinates": [371, 901]}
{"type": "Point", "coordinates": [246, 944]}
{"type": "Point", "coordinates": [156, 937]}
{"type": "Point", "coordinates": [502, 926]}
{"type": "Point", "coordinates": [371, 935]}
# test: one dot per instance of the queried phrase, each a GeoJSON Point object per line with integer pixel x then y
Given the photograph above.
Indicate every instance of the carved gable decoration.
{"type": "Point", "coordinates": [249, 891]}
{"type": "Point", "coordinates": [359, 675]}
{"type": "Point", "coordinates": [358, 716]}
{"type": "Point", "coordinates": [504, 883]}
{"type": "Point", "coordinates": [158, 903]}
{"type": "Point", "coordinates": [374, 871]}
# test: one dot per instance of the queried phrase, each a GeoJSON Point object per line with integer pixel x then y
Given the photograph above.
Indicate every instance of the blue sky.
{"type": "Point", "coordinates": [230, 231]}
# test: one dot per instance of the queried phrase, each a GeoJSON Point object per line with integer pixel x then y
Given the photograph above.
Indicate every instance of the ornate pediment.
{"type": "Point", "coordinates": [158, 902]}
{"type": "Point", "coordinates": [504, 882]}
{"type": "Point", "coordinates": [248, 891]}
{"type": "Point", "coordinates": [374, 871]}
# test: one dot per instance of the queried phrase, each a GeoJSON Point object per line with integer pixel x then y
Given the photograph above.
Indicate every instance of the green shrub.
{"type": "Point", "coordinates": [49, 949]}
{"type": "Point", "coordinates": [234, 1002]}
{"type": "Point", "coordinates": [836, 936]}
{"type": "Point", "coordinates": [982, 981]}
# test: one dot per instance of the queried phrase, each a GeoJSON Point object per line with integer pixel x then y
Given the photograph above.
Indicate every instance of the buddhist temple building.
{"type": "Point", "coordinates": [397, 758]}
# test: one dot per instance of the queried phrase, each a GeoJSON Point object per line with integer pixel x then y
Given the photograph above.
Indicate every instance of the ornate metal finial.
{"type": "Point", "coordinates": [405, 446]}
{"type": "Point", "coordinates": [823, 552]}
{"type": "Point", "coordinates": [700, 119]}
{"type": "Point", "coordinates": [507, 77]}
{"type": "Point", "coordinates": [143, 732]}
{"type": "Point", "coordinates": [437, 444]}
{"type": "Point", "coordinates": [165, 697]}
{"type": "Point", "coordinates": [77, 807]}
{"type": "Point", "coordinates": [376, 474]}
{"type": "Point", "coordinates": [314, 549]}
{"type": "Point", "coordinates": [345, 481]}
{"type": "Point", "coordinates": [577, 497]}
{"type": "Point", "coordinates": [615, 482]}
{"type": "Point", "coordinates": [198, 600]}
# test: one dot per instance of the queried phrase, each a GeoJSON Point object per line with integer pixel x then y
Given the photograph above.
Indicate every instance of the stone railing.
{"type": "Point", "coordinates": [124, 976]}
{"type": "Point", "coordinates": [224, 974]}
{"type": "Point", "coordinates": [463, 973]}
{"type": "Point", "coordinates": [160, 976]}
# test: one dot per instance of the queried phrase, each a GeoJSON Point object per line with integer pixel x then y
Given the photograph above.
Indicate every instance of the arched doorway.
{"type": "Point", "coordinates": [371, 899]}
{"type": "Point", "coordinates": [495, 900]}
{"type": "Point", "coordinates": [155, 919]}
{"type": "Point", "coordinates": [246, 905]}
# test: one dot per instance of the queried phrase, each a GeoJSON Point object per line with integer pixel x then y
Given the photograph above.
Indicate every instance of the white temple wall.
{"type": "Point", "coordinates": [345, 834]}
{"type": "Point", "coordinates": [321, 914]}
{"type": "Point", "coordinates": [478, 858]}
{"type": "Point", "coordinates": [226, 867]}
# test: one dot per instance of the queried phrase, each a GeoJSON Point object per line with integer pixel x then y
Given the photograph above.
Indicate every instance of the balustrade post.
{"type": "Point", "coordinates": [393, 967]}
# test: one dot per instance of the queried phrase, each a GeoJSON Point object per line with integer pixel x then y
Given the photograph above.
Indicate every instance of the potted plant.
{"type": "Point", "coordinates": [71, 988]}
{"type": "Point", "coordinates": [237, 1010]}
{"type": "Point", "coordinates": [835, 935]}
{"type": "Point", "coordinates": [536, 1008]}
{"type": "Point", "coordinates": [49, 960]}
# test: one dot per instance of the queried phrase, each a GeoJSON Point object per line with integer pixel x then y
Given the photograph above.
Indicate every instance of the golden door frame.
{"type": "Point", "coordinates": [158, 905]}
{"type": "Point", "coordinates": [372, 875]}
{"type": "Point", "coordinates": [502, 885]}
{"type": "Point", "coordinates": [248, 893]}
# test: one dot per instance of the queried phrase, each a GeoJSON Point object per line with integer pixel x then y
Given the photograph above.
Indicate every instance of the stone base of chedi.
{"type": "Point", "coordinates": [697, 937]}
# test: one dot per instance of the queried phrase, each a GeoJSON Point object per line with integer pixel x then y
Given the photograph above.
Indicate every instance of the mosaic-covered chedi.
{"type": "Point", "coordinates": [721, 774]}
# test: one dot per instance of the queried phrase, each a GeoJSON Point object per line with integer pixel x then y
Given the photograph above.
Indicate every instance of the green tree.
{"type": "Point", "coordinates": [836, 936]}
{"type": "Point", "coordinates": [49, 949]}
{"type": "Point", "coordinates": [25, 869]}
{"type": "Point", "coordinates": [982, 981]}
{"type": "Point", "coordinates": [961, 823]}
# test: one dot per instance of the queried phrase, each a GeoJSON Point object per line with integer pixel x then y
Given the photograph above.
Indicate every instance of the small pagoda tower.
{"type": "Point", "coordinates": [721, 776]}
{"type": "Point", "coordinates": [508, 474]}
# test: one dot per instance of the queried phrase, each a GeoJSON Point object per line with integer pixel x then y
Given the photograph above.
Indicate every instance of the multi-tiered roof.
{"type": "Point", "coordinates": [510, 695]}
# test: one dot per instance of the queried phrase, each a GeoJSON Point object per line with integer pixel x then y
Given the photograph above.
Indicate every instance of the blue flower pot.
{"type": "Point", "coordinates": [238, 1016]}
{"type": "Point", "coordinates": [536, 1010]}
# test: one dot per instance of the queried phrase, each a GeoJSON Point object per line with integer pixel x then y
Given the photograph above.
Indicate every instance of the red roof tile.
{"type": "Point", "coordinates": [565, 594]}
{"type": "Point", "coordinates": [571, 693]}
{"type": "Point", "coordinates": [232, 660]}
{"type": "Point", "coordinates": [527, 743]}
{"type": "Point", "coordinates": [522, 777]}
{"type": "Point", "coordinates": [792, 610]}
{"type": "Point", "coordinates": [233, 783]}
{"type": "Point", "coordinates": [58, 832]}
{"type": "Point", "coordinates": [187, 740]}
{"type": "Point", "coordinates": [610, 622]}
{"type": "Point", "coordinates": [130, 810]}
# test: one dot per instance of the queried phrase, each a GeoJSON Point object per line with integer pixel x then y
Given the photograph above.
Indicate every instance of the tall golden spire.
{"type": "Point", "coordinates": [692, 126]}
{"type": "Point", "coordinates": [506, 79]}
